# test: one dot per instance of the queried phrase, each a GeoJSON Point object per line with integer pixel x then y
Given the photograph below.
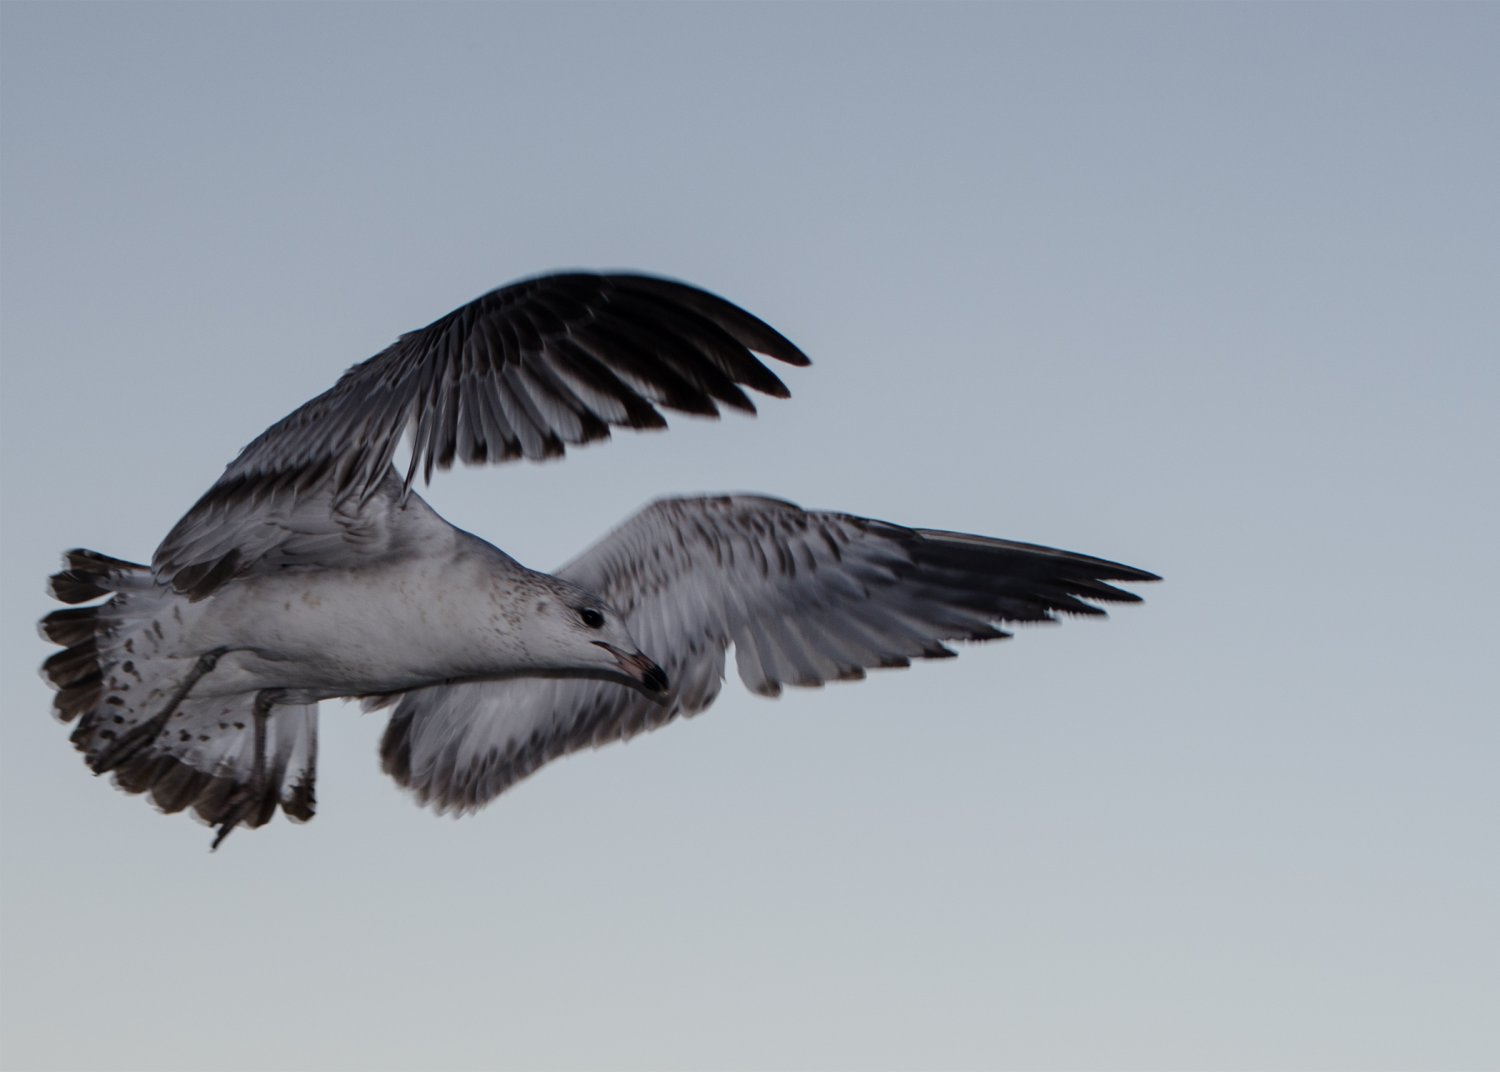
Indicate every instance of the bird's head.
{"type": "Point", "coordinates": [575, 632]}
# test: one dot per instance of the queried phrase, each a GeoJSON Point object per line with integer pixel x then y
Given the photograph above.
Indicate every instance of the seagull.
{"type": "Point", "coordinates": [312, 570]}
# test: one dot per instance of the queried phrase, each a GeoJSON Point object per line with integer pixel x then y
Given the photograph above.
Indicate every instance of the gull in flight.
{"type": "Point", "coordinates": [312, 570]}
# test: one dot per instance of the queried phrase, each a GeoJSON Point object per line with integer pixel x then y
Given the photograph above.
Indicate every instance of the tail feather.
{"type": "Point", "coordinates": [76, 672]}
{"type": "Point", "coordinates": [115, 672]}
{"type": "Point", "coordinates": [90, 575]}
{"type": "Point", "coordinates": [69, 626]}
{"type": "Point", "coordinates": [210, 777]}
{"type": "Point", "coordinates": [68, 666]}
{"type": "Point", "coordinates": [80, 697]}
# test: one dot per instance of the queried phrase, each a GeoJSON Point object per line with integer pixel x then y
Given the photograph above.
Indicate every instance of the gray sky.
{"type": "Point", "coordinates": [1210, 290]}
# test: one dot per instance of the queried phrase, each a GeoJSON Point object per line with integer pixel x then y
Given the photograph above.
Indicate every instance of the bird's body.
{"type": "Point", "coordinates": [311, 570]}
{"type": "Point", "coordinates": [447, 606]}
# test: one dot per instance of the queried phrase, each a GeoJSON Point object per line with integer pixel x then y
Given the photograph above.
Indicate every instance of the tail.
{"type": "Point", "coordinates": [122, 666]}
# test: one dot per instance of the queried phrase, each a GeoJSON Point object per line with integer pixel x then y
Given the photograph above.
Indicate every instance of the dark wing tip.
{"type": "Point", "coordinates": [1020, 581]}
{"type": "Point", "coordinates": [746, 328]}
{"type": "Point", "coordinates": [1118, 571]}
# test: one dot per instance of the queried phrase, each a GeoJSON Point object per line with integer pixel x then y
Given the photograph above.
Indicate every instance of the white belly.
{"type": "Point", "coordinates": [351, 632]}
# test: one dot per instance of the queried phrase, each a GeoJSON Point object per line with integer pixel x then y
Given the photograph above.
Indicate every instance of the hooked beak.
{"type": "Point", "coordinates": [651, 678]}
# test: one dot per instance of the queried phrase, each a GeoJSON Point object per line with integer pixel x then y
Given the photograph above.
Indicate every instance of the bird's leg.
{"type": "Point", "coordinates": [141, 735]}
{"type": "Point", "coordinates": [252, 795]}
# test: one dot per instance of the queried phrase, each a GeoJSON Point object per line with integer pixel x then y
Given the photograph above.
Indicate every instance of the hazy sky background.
{"type": "Point", "coordinates": [1211, 290]}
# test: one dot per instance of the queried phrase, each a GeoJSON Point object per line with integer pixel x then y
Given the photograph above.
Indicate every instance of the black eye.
{"type": "Point", "coordinates": [591, 618]}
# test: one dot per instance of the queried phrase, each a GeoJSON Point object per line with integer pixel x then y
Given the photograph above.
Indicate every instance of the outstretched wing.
{"type": "Point", "coordinates": [518, 373]}
{"type": "Point", "coordinates": [804, 597]}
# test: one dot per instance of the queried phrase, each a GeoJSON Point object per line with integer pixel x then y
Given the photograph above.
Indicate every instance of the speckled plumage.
{"type": "Point", "coordinates": [311, 570]}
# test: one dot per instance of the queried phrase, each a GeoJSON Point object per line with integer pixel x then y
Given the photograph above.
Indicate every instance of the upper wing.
{"type": "Point", "coordinates": [283, 529]}
{"type": "Point", "coordinates": [804, 597]}
{"type": "Point", "coordinates": [517, 373]}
